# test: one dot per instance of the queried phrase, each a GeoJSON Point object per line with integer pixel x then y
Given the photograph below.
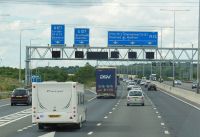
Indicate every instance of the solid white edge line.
{"type": "Point", "coordinates": [91, 99]}
{"type": "Point", "coordinates": [90, 133]}
{"type": "Point", "coordinates": [181, 100]}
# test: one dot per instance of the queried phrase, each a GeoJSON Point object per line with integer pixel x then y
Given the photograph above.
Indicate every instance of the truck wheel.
{"type": "Point", "coordinates": [40, 126]}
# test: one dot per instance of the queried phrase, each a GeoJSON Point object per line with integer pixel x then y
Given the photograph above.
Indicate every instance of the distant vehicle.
{"type": "Point", "coordinates": [135, 97]}
{"type": "Point", "coordinates": [21, 96]}
{"type": "Point", "coordinates": [147, 83]}
{"type": "Point", "coordinates": [143, 82]}
{"type": "Point", "coordinates": [129, 87]}
{"type": "Point", "coordinates": [152, 87]}
{"type": "Point", "coordinates": [177, 82]}
{"type": "Point", "coordinates": [118, 80]}
{"type": "Point", "coordinates": [106, 82]}
{"type": "Point", "coordinates": [58, 103]}
{"type": "Point", "coordinates": [136, 88]}
{"type": "Point", "coordinates": [194, 85]}
{"type": "Point", "coordinates": [152, 77]}
{"type": "Point", "coordinates": [131, 83]}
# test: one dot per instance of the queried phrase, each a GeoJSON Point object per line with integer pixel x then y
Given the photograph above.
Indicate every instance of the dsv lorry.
{"type": "Point", "coordinates": [106, 82]}
{"type": "Point", "coordinates": [58, 103]}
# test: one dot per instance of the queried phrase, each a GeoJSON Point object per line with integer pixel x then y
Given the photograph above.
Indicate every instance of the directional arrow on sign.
{"type": "Point", "coordinates": [51, 134]}
{"type": "Point", "coordinates": [115, 42]}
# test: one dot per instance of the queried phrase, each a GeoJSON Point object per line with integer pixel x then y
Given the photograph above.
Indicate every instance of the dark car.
{"type": "Point", "coordinates": [21, 96]}
{"type": "Point", "coordinates": [194, 85]}
{"type": "Point", "coordinates": [152, 87]}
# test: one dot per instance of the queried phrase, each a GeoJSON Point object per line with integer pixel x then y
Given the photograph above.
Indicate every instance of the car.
{"type": "Point", "coordinates": [152, 87]}
{"type": "Point", "coordinates": [129, 87]}
{"type": "Point", "coordinates": [135, 97]}
{"type": "Point", "coordinates": [143, 82]}
{"type": "Point", "coordinates": [177, 82]}
{"type": "Point", "coordinates": [21, 96]}
{"type": "Point", "coordinates": [147, 83]}
{"type": "Point", "coordinates": [194, 85]}
{"type": "Point", "coordinates": [136, 87]}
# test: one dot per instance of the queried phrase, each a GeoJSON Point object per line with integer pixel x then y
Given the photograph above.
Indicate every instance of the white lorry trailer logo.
{"type": "Point", "coordinates": [105, 76]}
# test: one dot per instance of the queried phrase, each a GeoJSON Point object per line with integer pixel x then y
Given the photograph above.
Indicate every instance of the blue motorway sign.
{"type": "Point", "coordinates": [128, 38]}
{"type": "Point", "coordinates": [57, 34]}
{"type": "Point", "coordinates": [81, 36]}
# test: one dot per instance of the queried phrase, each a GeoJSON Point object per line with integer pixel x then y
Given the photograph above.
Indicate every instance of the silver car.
{"type": "Point", "coordinates": [135, 97]}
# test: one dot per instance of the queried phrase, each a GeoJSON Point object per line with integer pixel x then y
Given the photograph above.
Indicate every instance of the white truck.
{"type": "Point", "coordinates": [58, 103]}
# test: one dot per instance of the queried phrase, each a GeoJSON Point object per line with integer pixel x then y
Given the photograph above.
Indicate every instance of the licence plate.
{"type": "Point", "coordinates": [18, 96]}
{"type": "Point", "coordinates": [54, 116]}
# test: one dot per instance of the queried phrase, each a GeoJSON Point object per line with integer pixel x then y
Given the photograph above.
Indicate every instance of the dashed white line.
{"type": "Point", "coordinates": [166, 132]}
{"type": "Point", "coordinates": [156, 112]}
{"type": "Point", "coordinates": [115, 105]}
{"type": "Point", "coordinates": [113, 108]}
{"type": "Point", "coordinates": [159, 116]}
{"type": "Point", "coordinates": [90, 133]}
{"type": "Point", "coordinates": [105, 117]}
{"type": "Point", "coordinates": [154, 108]}
{"type": "Point", "coordinates": [99, 124]}
{"type": "Point", "coordinates": [162, 124]}
{"type": "Point", "coordinates": [20, 130]}
{"type": "Point", "coordinates": [110, 112]}
{"type": "Point", "coordinates": [91, 99]}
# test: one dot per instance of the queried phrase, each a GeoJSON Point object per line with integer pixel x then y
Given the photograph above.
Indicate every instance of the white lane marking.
{"type": "Point", "coordinates": [51, 134]}
{"type": "Point", "coordinates": [91, 99]}
{"type": "Point", "coordinates": [166, 132]}
{"type": "Point", "coordinates": [20, 130]}
{"type": "Point", "coordinates": [162, 124]}
{"type": "Point", "coordinates": [90, 133]}
{"type": "Point", "coordinates": [156, 112]}
{"type": "Point", "coordinates": [14, 117]}
{"type": "Point", "coordinates": [91, 91]}
{"type": "Point", "coordinates": [113, 108]}
{"type": "Point", "coordinates": [4, 105]}
{"type": "Point", "coordinates": [115, 105]}
{"type": "Point", "coordinates": [154, 108]}
{"type": "Point", "coordinates": [182, 101]}
{"type": "Point", "coordinates": [159, 116]}
{"type": "Point", "coordinates": [105, 117]}
{"type": "Point", "coordinates": [99, 124]}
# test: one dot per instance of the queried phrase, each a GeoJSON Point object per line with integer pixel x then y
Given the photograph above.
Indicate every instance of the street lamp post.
{"type": "Point", "coordinates": [174, 39]}
{"type": "Point", "coordinates": [198, 62]}
{"type": "Point", "coordinates": [20, 51]}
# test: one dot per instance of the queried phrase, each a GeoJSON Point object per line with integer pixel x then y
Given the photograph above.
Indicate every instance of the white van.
{"type": "Point", "coordinates": [58, 103]}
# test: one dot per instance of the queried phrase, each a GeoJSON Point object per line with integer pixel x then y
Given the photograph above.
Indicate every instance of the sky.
{"type": "Point", "coordinates": [100, 16]}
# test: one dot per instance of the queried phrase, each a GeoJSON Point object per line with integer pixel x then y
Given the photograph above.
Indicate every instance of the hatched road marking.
{"type": "Point", "coordinates": [14, 117]}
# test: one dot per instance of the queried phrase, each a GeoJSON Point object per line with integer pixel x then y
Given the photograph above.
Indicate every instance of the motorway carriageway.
{"type": "Point", "coordinates": [162, 116]}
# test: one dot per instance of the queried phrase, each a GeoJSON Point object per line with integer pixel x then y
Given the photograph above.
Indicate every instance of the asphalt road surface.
{"type": "Point", "coordinates": [162, 116]}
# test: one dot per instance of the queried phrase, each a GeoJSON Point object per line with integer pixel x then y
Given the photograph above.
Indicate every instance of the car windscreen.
{"type": "Point", "coordinates": [135, 93]}
{"type": "Point", "coordinates": [19, 92]}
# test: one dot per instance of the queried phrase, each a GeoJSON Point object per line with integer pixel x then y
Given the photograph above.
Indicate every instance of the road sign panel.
{"type": "Point", "coordinates": [57, 34]}
{"type": "Point", "coordinates": [81, 37]}
{"type": "Point", "coordinates": [128, 38]}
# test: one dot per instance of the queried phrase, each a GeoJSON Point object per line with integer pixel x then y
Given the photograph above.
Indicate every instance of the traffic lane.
{"type": "Point", "coordinates": [137, 121]}
{"type": "Point", "coordinates": [96, 109]}
{"type": "Point", "coordinates": [182, 119]}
